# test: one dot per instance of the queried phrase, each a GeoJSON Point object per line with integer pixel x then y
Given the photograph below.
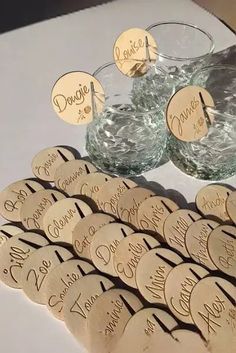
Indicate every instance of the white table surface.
{"type": "Point", "coordinates": [31, 59]}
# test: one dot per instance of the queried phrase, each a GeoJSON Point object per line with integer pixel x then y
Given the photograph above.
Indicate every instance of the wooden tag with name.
{"type": "Point", "coordinates": [212, 306]}
{"type": "Point", "coordinates": [104, 244]}
{"type": "Point", "coordinates": [14, 253]}
{"type": "Point", "coordinates": [7, 231]}
{"type": "Point", "coordinates": [134, 50]}
{"type": "Point", "coordinates": [77, 96]}
{"type": "Point", "coordinates": [60, 280]}
{"type": "Point", "coordinates": [62, 217]}
{"type": "Point", "coordinates": [79, 301]}
{"type": "Point", "coordinates": [152, 214]}
{"type": "Point", "coordinates": [84, 231]}
{"type": "Point", "coordinates": [110, 193]}
{"type": "Point", "coordinates": [221, 247]}
{"type": "Point", "coordinates": [231, 206]}
{"type": "Point", "coordinates": [186, 116]}
{"type": "Point", "coordinates": [13, 197]}
{"type": "Point", "coordinates": [178, 287]}
{"type": "Point", "coordinates": [211, 201]}
{"type": "Point", "coordinates": [129, 203]}
{"type": "Point", "coordinates": [105, 327]}
{"type": "Point", "coordinates": [90, 184]}
{"type": "Point", "coordinates": [69, 173]}
{"type": "Point", "coordinates": [152, 271]}
{"type": "Point", "coordinates": [36, 206]}
{"type": "Point", "coordinates": [37, 268]}
{"type": "Point", "coordinates": [196, 241]}
{"type": "Point", "coordinates": [144, 327]}
{"type": "Point", "coordinates": [128, 254]}
{"type": "Point", "coordinates": [45, 163]}
{"type": "Point", "coordinates": [176, 226]}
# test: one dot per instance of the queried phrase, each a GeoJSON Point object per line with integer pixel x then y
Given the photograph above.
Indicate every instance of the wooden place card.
{"type": "Point", "coordinates": [84, 231]}
{"type": "Point", "coordinates": [152, 271]}
{"type": "Point", "coordinates": [128, 254]}
{"type": "Point", "coordinates": [36, 206]}
{"type": "Point", "coordinates": [104, 244]}
{"type": "Point", "coordinates": [129, 203]}
{"type": "Point", "coordinates": [108, 317]}
{"type": "Point", "coordinates": [212, 306]}
{"type": "Point", "coordinates": [176, 226]}
{"type": "Point", "coordinates": [7, 231]}
{"type": "Point", "coordinates": [45, 163]}
{"type": "Point", "coordinates": [153, 212]}
{"type": "Point", "coordinates": [189, 341]}
{"type": "Point", "coordinates": [178, 287]}
{"type": "Point", "coordinates": [60, 280]}
{"type": "Point", "coordinates": [69, 173]}
{"type": "Point", "coordinates": [77, 96]}
{"type": "Point", "coordinates": [62, 217]}
{"type": "Point", "coordinates": [90, 184]}
{"type": "Point", "coordinates": [13, 197]}
{"type": "Point", "coordinates": [211, 201]}
{"type": "Point", "coordinates": [196, 241]}
{"type": "Point", "coordinates": [134, 51]}
{"type": "Point", "coordinates": [110, 193]}
{"type": "Point", "coordinates": [14, 253]}
{"type": "Point", "coordinates": [141, 329]}
{"type": "Point", "coordinates": [186, 116]}
{"type": "Point", "coordinates": [79, 301]}
{"type": "Point", "coordinates": [231, 206]}
{"type": "Point", "coordinates": [37, 268]}
{"type": "Point", "coordinates": [221, 247]}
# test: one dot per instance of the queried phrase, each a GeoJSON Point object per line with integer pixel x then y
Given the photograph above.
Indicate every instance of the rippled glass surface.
{"type": "Point", "coordinates": [126, 142]}
{"type": "Point", "coordinates": [214, 156]}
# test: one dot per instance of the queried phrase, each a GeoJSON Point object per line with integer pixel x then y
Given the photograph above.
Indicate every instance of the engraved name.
{"type": "Point", "coordinates": [208, 205]}
{"type": "Point", "coordinates": [62, 102]}
{"type": "Point", "coordinates": [57, 225]}
{"type": "Point", "coordinates": [64, 183]}
{"type": "Point", "coordinates": [122, 56]}
{"type": "Point", "coordinates": [84, 307]}
{"type": "Point", "coordinates": [114, 317]}
{"type": "Point", "coordinates": [38, 275]}
{"type": "Point", "coordinates": [154, 220]}
{"type": "Point", "coordinates": [228, 259]}
{"type": "Point", "coordinates": [135, 252]}
{"type": "Point", "coordinates": [201, 255]}
{"type": "Point", "coordinates": [82, 245]}
{"type": "Point", "coordinates": [17, 258]}
{"type": "Point", "coordinates": [156, 287]}
{"type": "Point", "coordinates": [11, 205]}
{"type": "Point", "coordinates": [184, 296]}
{"type": "Point", "coordinates": [111, 205]}
{"type": "Point", "coordinates": [211, 314]}
{"type": "Point", "coordinates": [179, 232]}
{"type": "Point", "coordinates": [105, 252]}
{"type": "Point", "coordinates": [45, 167]}
{"type": "Point", "coordinates": [38, 212]}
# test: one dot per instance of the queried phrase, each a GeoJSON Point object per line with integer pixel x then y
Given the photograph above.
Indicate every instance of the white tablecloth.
{"type": "Point", "coordinates": [31, 59]}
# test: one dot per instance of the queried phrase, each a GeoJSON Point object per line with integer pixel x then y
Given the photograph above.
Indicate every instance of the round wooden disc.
{"type": "Point", "coordinates": [13, 197]}
{"type": "Point", "coordinates": [151, 273]}
{"type": "Point", "coordinates": [110, 193]}
{"type": "Point", "coordinates": [196, 241]}
{"type": "Point", "coordinates": [37, 267]}
{"type": "Point", "coordinates": [8, 231]}
{"type": "Point", "coordinates": [129, 203]}
{"type": "Point", "coordinates": [133, 52]}
{"type": "Point", "coordinates": [45, 163]}
{"type": "Point", "coordinates": [104, 244]}
{"type": "Point", "coordinates": [90, 184]}
{"type": "Point", "coordinates": [62, 217]}
{"type": "Point", "coordinates": [78, 302]}
{"type": "Point", "coordinates": [153, 212]}
{"type": "Point", "coordinates": [231, 206]}
{"type": "Point", "coordinates": [108, 317]}
{"type": "Point", "coordinates": [178, 287]}
{"type": "Point", "coordinates": [189, 341]}
{"type": "Point", "coordinates": [212, 306]}
{"type": "Point", "coordinates": [141, 329]}
{"type": "Point", "coordinates": [13, 255]}
{"type": "Point", "coordinates": [36, 206]}
{"type": "Point", "coordinates": [69, 173]}
{"type": "Point", "coordinates": [77, 96]}
{"type": "Point", "coordinates": [185, 114]}
{"type": "Point", "coordinates": [84, 231]}
{"type": "Point", "coordinates": [176, 226]}
{"type": "Point", "coordinates": [60, 280]}
{"type": "Point", "coordinates": [128, 254]}
{"type": "Point", "coordinates": [221, 247]}
{"type": "Point", "coordinates": [211, 201]}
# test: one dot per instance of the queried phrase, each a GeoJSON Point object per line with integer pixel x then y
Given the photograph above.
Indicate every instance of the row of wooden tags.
{"type": "Point", "coordinates": [143, 239]}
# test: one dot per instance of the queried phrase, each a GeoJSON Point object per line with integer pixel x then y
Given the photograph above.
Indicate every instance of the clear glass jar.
{"type": "Point", "coordinates": [127, 138]}
{"type": "Point", "coordinates": [214, 156]}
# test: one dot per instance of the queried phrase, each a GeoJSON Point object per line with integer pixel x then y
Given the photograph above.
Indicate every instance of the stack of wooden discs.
{"type": "Point", "coordinates": [125, 268]}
